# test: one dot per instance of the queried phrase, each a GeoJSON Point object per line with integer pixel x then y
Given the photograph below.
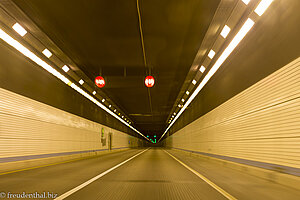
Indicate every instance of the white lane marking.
{"type": "Point", "coordinates": [223, 192]}
{"type": "Point", "coordinates": [95, 178]}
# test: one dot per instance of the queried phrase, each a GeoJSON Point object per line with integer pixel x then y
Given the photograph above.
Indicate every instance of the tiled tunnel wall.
{"type": "Point", "coordinates": [257, 126]}
{"type": "Point", "coordinates": [30, 129]}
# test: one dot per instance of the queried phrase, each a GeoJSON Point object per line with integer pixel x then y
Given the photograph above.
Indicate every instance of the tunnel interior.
{"type": "Point", "coordinates": [221, 120]}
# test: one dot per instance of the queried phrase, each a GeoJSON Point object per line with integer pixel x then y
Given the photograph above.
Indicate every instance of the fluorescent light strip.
{"type": "Point", "coordinates": [26, 52]}
{"type": "Point", "coordinates": [81, 82]}
{"type": "Point", "coordinates": [65, 68]}
{"type": "Point", "coordinates": [225, 31]}
{"type": "Point", "coordinates": [211, 54]}
{"type": "Point", "coordinates": [47, 53]}
{"type": "Point", "coordinates": [202, 69]}
{"type": "Point", "coordinates": [235, 41]}
{"type": "Point", "coordinates": [246, 1]}
{"type": "Point", "coordinates": [19, 29]}
{"type": "Point", "coordinates": [262, 6]}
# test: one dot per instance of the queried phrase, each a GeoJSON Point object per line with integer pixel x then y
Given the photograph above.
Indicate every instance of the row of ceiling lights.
{"type": "Point", "coordinates": [260, 9]}
{"type": "Point", "coordinates": [211, 54]}
{"type": "Point", "coordinates": [18, 46]}
{"type": "Point", "coordinates": [21, 31]}
{"type": "Point", "coordinates": [225, 31]}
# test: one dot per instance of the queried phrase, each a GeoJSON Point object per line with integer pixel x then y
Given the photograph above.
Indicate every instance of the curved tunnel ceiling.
{"type": "Point", "coordinates": [103, 37]}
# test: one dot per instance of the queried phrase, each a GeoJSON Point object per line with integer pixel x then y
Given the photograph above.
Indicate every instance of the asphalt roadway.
{"type": "Point", "coordinates": [140, 174]}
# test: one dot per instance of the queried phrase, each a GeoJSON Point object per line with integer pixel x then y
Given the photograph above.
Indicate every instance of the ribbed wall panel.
{"type": "Point", "coordinates": [262, 123]}
{"type": "Point", "coordinates": [28, 127]}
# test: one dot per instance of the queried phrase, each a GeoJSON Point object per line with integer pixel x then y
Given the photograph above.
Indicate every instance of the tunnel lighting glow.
{"type": "Point", "coordinates": [194, 82]}
{"type": "Point", "coordinates": [26, 52]}
{"type": "Point", "coordinates": [65, 68]}
{"type": "Point", "coordinates": [81, 82]}
{"type": "Point", "coordinates": [179, 105]}
{"type": "Point", "coordinates": [47, 53]}
{"type": "Point", "coordinates": [225, 31]}
{"type": "Point", "coordinates": [202, 69]}
{"type": "Point", "coordinates": [182, 100]}
{"type": "Point", "coordinates": [262, 6]}
{"type": "Point", "coordinates": [109, 106]}
{"type": "Point", "coordinates": [232, 45]}
{"type": "Point", "coordinates": [246, 1]}
{"type": "Point", "coordinates": [94, 92]}
{"type": "Point", "coordinates": [19, 29]}
{"type": "Point", "coordinates": [104, 100]}
{"type": "Point", "coordinates": [115, 110]}
{"type": "Point", "coordinates": [187, 92]}
{"type": "Point", "coordinates": [122, 116]}
{"type": "Point", "coordinates": [211, 54]}
{"type": "Point", "coordinates": [174, 113]}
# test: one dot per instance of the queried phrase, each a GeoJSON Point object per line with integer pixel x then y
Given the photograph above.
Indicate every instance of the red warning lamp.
{"type": "Point", "coordinates": [149, 81]}
{"type": "Point", "coordinates": [99, 81]}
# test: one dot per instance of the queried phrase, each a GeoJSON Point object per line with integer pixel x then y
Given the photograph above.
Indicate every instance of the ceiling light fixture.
{"type": "Point", "coordinates": [246, 1]}
{"type": "Point", "coordinates": [94, 92]}
{"type": "Point", "coordinates": [81, 82]}
{"type": "Point", "coordinates": [182, 100]}
{"type": "Point", "coordinates": [47, 53]}
{"type": "Point", "coordinates": [187, 92]}
{"type": "Point", "coordinates": [202, 69]}
{"type": "Point", "coordinates": [262, 6]}
{"type": "Point", "coordinates": [65, 68]}
{"type": "Point", "coordinates": [26, 52]}
{"type": "Point", "coordinates": [225, 31]}
{"type": "Point", "coordinates": [211, 54]}
{"type": "Point", "coordinates": [232, 45]}
{"type": "Point", "coordinates": [194, 82]}
{"type": "Point", "coordinates": [19, 29]}
{"type": "Point", "coordinates": [103, 100]}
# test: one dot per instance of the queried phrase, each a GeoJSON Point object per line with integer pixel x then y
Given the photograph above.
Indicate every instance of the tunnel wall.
{"type": "Point", "coordinates": [259, 126]}
{"type": "Point", "coordinates": [30, 130]}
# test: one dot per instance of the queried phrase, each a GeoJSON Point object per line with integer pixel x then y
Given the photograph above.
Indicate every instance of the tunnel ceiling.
{"type": "Point", "coordinates": [102, 37]}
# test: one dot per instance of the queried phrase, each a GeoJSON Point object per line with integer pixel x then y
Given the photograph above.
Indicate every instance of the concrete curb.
{"type": "Point", "coordinates": [11, 167]}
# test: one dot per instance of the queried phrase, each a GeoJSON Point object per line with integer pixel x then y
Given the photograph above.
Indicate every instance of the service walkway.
{"type": "Point", "coordinates": [142, 174]}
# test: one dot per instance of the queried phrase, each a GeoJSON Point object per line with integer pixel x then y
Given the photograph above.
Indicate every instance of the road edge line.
{"type": "Point", "coordinates": [68, 193]}
{"type": "Point", "coordinates": [213, 185]}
